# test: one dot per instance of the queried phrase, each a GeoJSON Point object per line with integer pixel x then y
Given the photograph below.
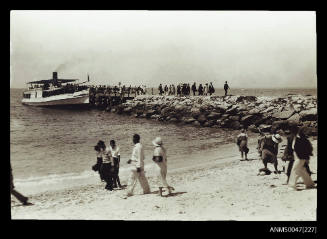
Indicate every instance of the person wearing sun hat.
{"type": "Point", "coordinates": [160, 159]}
{"type": "Point", "coordinates": [269, 149]}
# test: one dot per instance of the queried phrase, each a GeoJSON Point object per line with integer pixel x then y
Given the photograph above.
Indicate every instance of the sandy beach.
{"type": "Point", "coordinates": [228, 189]}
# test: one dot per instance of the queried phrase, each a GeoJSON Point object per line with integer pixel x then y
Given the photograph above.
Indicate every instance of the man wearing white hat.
{"type": "Point", "coordinates": [160, 159]}
{"type": "Point", "coordinates": [269, 149]}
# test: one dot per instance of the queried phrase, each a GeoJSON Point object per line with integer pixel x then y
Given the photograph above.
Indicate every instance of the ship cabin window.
{"type": "Point", "coordinates": [27, 96]}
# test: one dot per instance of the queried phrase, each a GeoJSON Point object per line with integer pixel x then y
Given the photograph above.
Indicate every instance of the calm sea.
{"type": "Point", "coordinates": [49, 143]}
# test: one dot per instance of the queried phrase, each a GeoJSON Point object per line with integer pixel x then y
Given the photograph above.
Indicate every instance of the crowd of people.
{"type": "Point", "coordinates": [108, 161]}
{"type": "Point", "coordinates": [297, 153]}
{"type": "Point", "coordinates": [184, 89]}
{"type": "Point", "coordinates": [120, 90]}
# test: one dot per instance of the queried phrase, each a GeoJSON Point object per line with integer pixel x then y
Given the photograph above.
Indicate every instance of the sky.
{"type": "Point", "coordinates": [249, 49]}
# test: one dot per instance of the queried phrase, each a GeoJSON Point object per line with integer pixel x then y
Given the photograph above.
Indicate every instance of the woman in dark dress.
{"type": "Point", "coordinates": [99, 149]}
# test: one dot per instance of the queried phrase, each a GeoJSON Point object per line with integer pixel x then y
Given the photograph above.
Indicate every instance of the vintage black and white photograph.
{"type": "Point", "coordinates": [163, 115]}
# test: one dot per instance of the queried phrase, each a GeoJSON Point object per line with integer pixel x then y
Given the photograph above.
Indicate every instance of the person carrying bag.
{"type": "Point", "coordinates": [160, 159]}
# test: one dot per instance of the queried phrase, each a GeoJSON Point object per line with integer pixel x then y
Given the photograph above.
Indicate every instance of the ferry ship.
{"type": "Point", "coordinates": [56, 92]}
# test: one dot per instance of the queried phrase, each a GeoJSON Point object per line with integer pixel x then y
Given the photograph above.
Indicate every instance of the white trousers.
{"type": "Point", "coordinates": [141, 178]}
{"type": "Point", "coordinates": [162, 171]}
{"type": "Point", "coordinates": [298, 171]}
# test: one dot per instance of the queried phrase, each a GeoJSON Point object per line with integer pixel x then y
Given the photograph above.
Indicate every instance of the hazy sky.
{"type": "Point", "coordinates": [249, 49]}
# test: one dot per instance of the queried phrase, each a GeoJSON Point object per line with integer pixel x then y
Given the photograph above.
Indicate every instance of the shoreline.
{"type": "Point", "coordinates": [229, 190]}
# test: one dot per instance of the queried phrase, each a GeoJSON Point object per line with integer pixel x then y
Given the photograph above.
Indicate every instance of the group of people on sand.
{"type": "Point", "coordinates": [108, 161]}
{"type": "Point", "coordinates": [297, 153]}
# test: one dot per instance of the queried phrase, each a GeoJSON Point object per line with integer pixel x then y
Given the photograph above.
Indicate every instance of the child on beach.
{"type": "Point", "coordinates": [160, 159]}
{"type": "Point", "coordinates": [242, 142]}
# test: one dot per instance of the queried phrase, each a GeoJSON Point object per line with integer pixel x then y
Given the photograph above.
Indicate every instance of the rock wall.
{"type": "Point", "coordinates": [265, 113]}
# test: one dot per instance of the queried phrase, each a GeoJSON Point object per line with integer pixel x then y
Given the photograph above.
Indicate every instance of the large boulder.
{"type": "Point", "coordinates": [246, 98]}
{"type": "Point", "coordinates": [222, 108]}
{"type": "Point", "coordinates": [195, 112]}
{"type": "Point", "coordinates": [188, 120]}
{"type": "Point", "coordinates": [166, 111]}
{"type": "Point", "coordinates": [309, 115]}
{"type": "Point", "coordinates": [269, 109]}
{"type": "Point", "coordinates": [235, 118]}
{"type": "Point", "coordinates": [149, 113]}
{"type": "Point", "coordinates": [254, 111]}
{"type": "Point", "coordinates": [233, 110]}
{"type": "Point", "coordinates": [214, 115]}
{"type": "Point", "coordinates": [196, 123]}
{"type": "Point", "coordinates": [283, 115]}
{"type": "Point", "coordinates": [127, 110]}
{"type": "Point", "coordinates": [249, 119]}
{"type": "Point", "coordinates": [235, 124]}
{"type": "Point", "coordinates": [265, 128]}
{"type": "Point", "coordinates": [202, 118]}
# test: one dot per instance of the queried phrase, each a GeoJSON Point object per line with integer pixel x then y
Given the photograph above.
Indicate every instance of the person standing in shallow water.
{"type": "Point", "coordinates": [242, 142]}
{"type": "Point", "coordinates": [226, 88]}
{"type": "Point", "coordinates": [160, 159]}
{"type": "Point", "coordinates": [194, 88]}
{"type": "Point", "coordinates": [115, 150]}
{"type": "Point", "coordinates": [137, 170]}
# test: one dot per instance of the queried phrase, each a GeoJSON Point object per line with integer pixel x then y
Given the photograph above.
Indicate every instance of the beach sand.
{"type": "Point", "coordinates": [227, 189]}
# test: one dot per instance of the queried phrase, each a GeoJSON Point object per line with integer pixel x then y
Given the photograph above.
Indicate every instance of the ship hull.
{"type": "Point", "coordinates": [58, 101]}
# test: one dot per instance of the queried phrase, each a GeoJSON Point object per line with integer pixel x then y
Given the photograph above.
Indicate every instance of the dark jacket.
{"type": "Point", "coordinates": [303, 148]}
{"type": "Point", "coordinates": [270, 145]}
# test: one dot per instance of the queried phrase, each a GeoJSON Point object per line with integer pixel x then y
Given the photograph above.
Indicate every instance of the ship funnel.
{"type": "Point", "coordinates": [55, 76]}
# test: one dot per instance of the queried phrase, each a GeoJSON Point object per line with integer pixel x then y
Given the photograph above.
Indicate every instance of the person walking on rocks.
{"type": "Point", "coordinates": [205, 89]}
{"type": "Point", "coordinates": [211, 89]}
{"type": "Point", "coordinates": [115, 150]}
{"type": "Point", "coordinates": [179, 90]}
{"type": "Point", "coordinates": [200, 89]}
{"type": "Point", "coordinates": [160, 159]}
{"type": "Point", "coordinates": [194, 88]}
{"type": "Point", "coordinates": [269, 151]}
{"type": "Point", "coordinates": [160, 89]}
{"type": "Point", "coordinates": [137, 170]}
{"type": "Point", "coordinates": [302, 149]}
{"type": "Point", "coordinates": [242, 142]}
{"type": "Point", "coordinates": [226, 88]}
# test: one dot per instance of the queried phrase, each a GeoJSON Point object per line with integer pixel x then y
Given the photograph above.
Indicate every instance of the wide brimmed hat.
{"type": "Point", "coordinates": [276, 138]}
{"type": "Point", "coordinates": [157, 141]}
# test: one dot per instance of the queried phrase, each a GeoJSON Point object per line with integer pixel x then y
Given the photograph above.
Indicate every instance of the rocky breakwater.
{"type": "Point", "coordinates": [266, 114]}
